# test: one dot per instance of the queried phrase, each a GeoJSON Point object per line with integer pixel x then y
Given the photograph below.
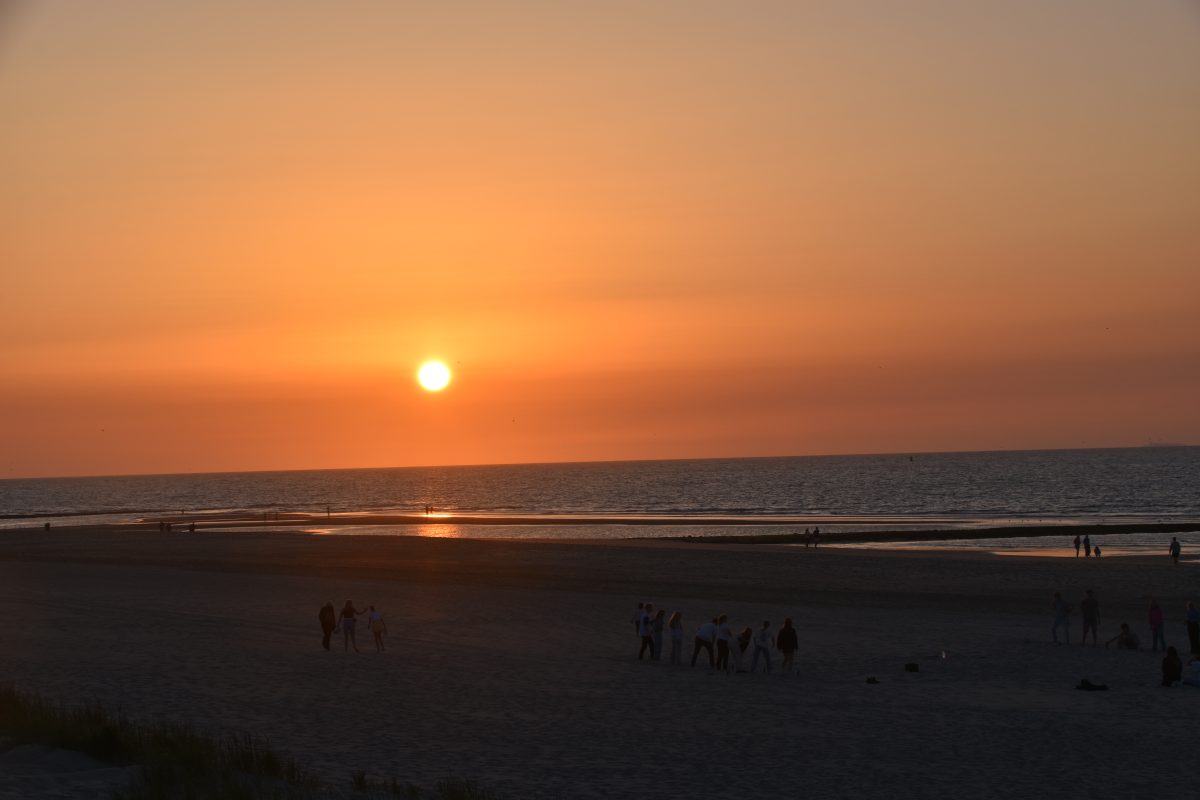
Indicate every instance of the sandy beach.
{"type": "Point", "coordinates": [514, 663]}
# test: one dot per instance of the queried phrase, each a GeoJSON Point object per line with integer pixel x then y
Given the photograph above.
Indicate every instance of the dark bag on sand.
{"type": "Point", "coordinates": [1088, 686]}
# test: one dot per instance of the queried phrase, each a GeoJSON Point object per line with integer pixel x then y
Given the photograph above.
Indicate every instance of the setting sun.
{"type": "Point", "coordinates": [433, 376]}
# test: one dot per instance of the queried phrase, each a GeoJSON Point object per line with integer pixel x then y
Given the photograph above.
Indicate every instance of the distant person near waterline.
{"type": "Point", "coordinates": [763, 642]}
{"type": "Point", "coordinates": [1077, 545]}
{"type": "Point", "coordinates": [1091, 616]}
{"type": "Point", "coordinates": [675, 627]}
{"type": "Point", "coordinates": [787, 642]}
{"type": "Point", "coordinates": [1062, 619]}
{"type": "Point", "coordinates": [347, 619]}
{"type": "Point", "coordinates": [378, 628]}
{"type": "Point", "coordinates": [705, 635]}
{"type": "Point", "coordinates": [1087, 546]}
{"type": "Point", "coordinates": [1096, 551]}
{"type": "Point", "coordinates": [1175, 549]}
{"type": "Point", "coordinates": [327, 616]}
{"type": "Point", "coordinates": [816, 538]}
{"type": "Point", "coordinates": [1193, 628]}
{"type": "Point", "coordinates": [1157, 623]}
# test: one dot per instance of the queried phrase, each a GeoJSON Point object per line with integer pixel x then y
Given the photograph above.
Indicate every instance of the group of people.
{"type": "Point", "coordinates": [726, 650]}
{"type": "Point", "coordinates": [1089, 551]}
{"type": "Point", "coordinates": [347, 620]}
{"type": "Point", "coordinates": [1126, 638]}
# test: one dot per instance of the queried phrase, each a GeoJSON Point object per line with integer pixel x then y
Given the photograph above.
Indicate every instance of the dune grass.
{"type": "Point", "coordinates": [174, 760]}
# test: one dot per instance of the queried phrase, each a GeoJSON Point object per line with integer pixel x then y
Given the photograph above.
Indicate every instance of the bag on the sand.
{"type": "Point", "coordinates": [1088, 686]}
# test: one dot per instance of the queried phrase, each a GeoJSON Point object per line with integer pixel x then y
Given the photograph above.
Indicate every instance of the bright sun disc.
{"type": "Point", "coordinates": [433, 375]}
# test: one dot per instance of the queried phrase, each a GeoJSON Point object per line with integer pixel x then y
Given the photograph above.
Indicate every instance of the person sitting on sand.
{"type": "Point", "coordinates": [1125, 638]}
{"type": "Point", "coordinates": [787, 642]}
{"type": "Point", "coordinates": [377, 626]}
{"type": "Point", "coordinates": [1062, 619]}
{"type": "Point", "coordinates": [327, 616]}
{"type": "Point", "coordinates": [763, 642]}
{"type": "Point", "coordinates": [1172, 668]}
{"type": "Point", "coordinates": [347, 618]}
{"type": "Point", "coordinates": [705, 635]}
{"type": "Point", "coordinates": [675, 626]}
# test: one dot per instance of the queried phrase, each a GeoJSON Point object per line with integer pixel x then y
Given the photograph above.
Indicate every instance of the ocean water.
{"type": "Point", "coordinates": [1150, 482]}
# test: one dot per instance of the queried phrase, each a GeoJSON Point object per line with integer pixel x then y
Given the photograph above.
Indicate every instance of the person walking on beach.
{"type": "Point", "coordinates": [1062, 619]}
{"type": "Point", "coordinates": [327, 616]}
{"type": "Point", "coordinates": [1193, 628]}
{"type": "Point", "coordinates": [347, 618]}
{"type": "Point", "coordinates": [675, 627]}
{"type": "Point", "coordinates": [1155, 617]}
{"type": "Point", "coordinates": [724, 642]}
{"type": "Point", "coordinates": [705, 635]}
{"type": "Point", "coordinates": [645, 631]}
{"type": "Point", "coordinates": [1077, 545]}
{"type": "Point", "coordinates": [763, 642]}
{"type": "Point", "coordinates": [787, 643]}
{"type": "Point", "coordinates": [656, 634]}
{"type": "Point", "coordinates": [1175, 548]}
{"type": "Point", "coordinates": [1091, 616]}
{"type": "Point", "coordinates": [1087, 546]}
{"type": "Point", "coordinates": [378, 628]}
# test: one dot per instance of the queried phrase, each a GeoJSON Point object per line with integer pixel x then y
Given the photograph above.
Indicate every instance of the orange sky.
{"type": "Point", "coordinates": [230, 233]}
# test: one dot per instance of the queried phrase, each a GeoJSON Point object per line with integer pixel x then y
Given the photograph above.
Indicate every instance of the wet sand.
{"type": "Point", "coordinates": [514, 663]}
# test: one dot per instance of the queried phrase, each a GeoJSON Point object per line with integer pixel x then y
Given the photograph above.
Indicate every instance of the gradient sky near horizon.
{"type": "Point", "coordinates": [231, 232]}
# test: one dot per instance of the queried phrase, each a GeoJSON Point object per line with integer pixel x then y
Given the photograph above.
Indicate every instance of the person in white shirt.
{"type": "Point", "coordinates": [705, 635]}
{"type": "Point", "coordinates": [763, 642]}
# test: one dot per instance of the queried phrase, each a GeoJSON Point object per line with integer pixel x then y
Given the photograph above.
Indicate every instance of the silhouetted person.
{"type": "Point", "coordinates": [1125, 639]}
{"type": "Point", "coordinates": [1077, 545]}
{"type": "Point", "coordinates": [656, 633]}
{"type": "Point", "coordinates": [1157, 623]}
{"type": "Point", "coordinates": [1062, 619]}
{"type": "Point", "coordinates": [1096, 551]}
{"type": "Point", "coordinates": [328, 618]}
{"type": "Point", "coordinates": [646, 631]}
{"type": "Point", "coordinates": [705, 635]}
{"type": "Point", "coordinates": [763, 642]}
{"type": "Point", "coordinates": [348, 617]}
{"type": "Point", "coordinates": [816, 538]}
{"type": "Point", "coordinates": [1087, 546]}
{"type": "Point", "coordinates": [807, 538]}
{"type": "Point", "coordinates": [675, 628]}
{"type": "Point", "coordinates": [724, 642]}
{"type": "Point", "coordinates": [377, 626]}
{"type": "Point", "coordinates": [1193, 628]}
{"type": "Point", "coordinates": [47, 526]}
{"type": "Point", "coordinates": [637, 619]}
{"type": "Point", "coordinates": [787, 642]}
{"type": "Point", "coordinates": [1172, 668]}
{"type": "Point", "coordinates": [1175, 548]}
{"type": "Point", "coordinates": [1091, 616]}
{"type": "Point", "coordinates": [192, 528]}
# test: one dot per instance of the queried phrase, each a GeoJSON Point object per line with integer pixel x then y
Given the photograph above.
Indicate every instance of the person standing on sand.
{"type": "Point", "coordinates": [675, 626]}
{"type": "Point", "coordinates": [807, 538]}
{"type": "Point", "coordinates": [656, 634]}
{"type": "Point", "coordinates": [1193, 628]}
{"type": "Point", "coordinates": [348, 618]}
{"type": "Point", "coordinates": [787, 644]}
{"type": "Point", "coordinates": [328, 619]}
{"type": "Point", "coordinates": [1062, 619]}
{"type": "Point", "coordinates": [1087, 546]}
{"type": "Point", "coordinates": [637, 619]}
{"type": "Point", "coordinates": [1077, 545]}
{"type": "Point", "coordinates": [763, 642]}
{"type": "Point", "coordinates": [724, 642]}
{"type": "Point", "coordinates": [816, 538]}
{"type": "Point", "coordinates": [705, 635]}
{"type": "Point", "coordinates": [1096, 551]}
{"type": "Point", "coordinates": [1155, 617]}
{"type": "Point", "coordinates": [1175, 548]}
{"type": "Point", "coordinates": [378, 627]}
{"type": "Point", "coordinates": [1091, 616]}
{"type": "Point", "coordinates": [646, 632]}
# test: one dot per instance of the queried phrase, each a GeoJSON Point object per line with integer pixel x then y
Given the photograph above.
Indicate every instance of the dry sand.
{"type": "Point", "coordinates": [513, 664]}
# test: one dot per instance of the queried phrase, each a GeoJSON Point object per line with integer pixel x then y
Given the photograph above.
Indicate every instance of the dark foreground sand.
{"type": "Point", "coordinates": [513, 664]}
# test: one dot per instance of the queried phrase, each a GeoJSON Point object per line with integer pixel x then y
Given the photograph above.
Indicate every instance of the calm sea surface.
{"type": "Point", "coordinates": [1151, 482]}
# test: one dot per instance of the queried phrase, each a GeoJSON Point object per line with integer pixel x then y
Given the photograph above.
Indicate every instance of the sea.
{"type": "Point", "coordinates": [861, 491]}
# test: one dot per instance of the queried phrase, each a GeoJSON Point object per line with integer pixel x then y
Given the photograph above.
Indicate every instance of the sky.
{"type": "Point", "coordinates": [230, 233]}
